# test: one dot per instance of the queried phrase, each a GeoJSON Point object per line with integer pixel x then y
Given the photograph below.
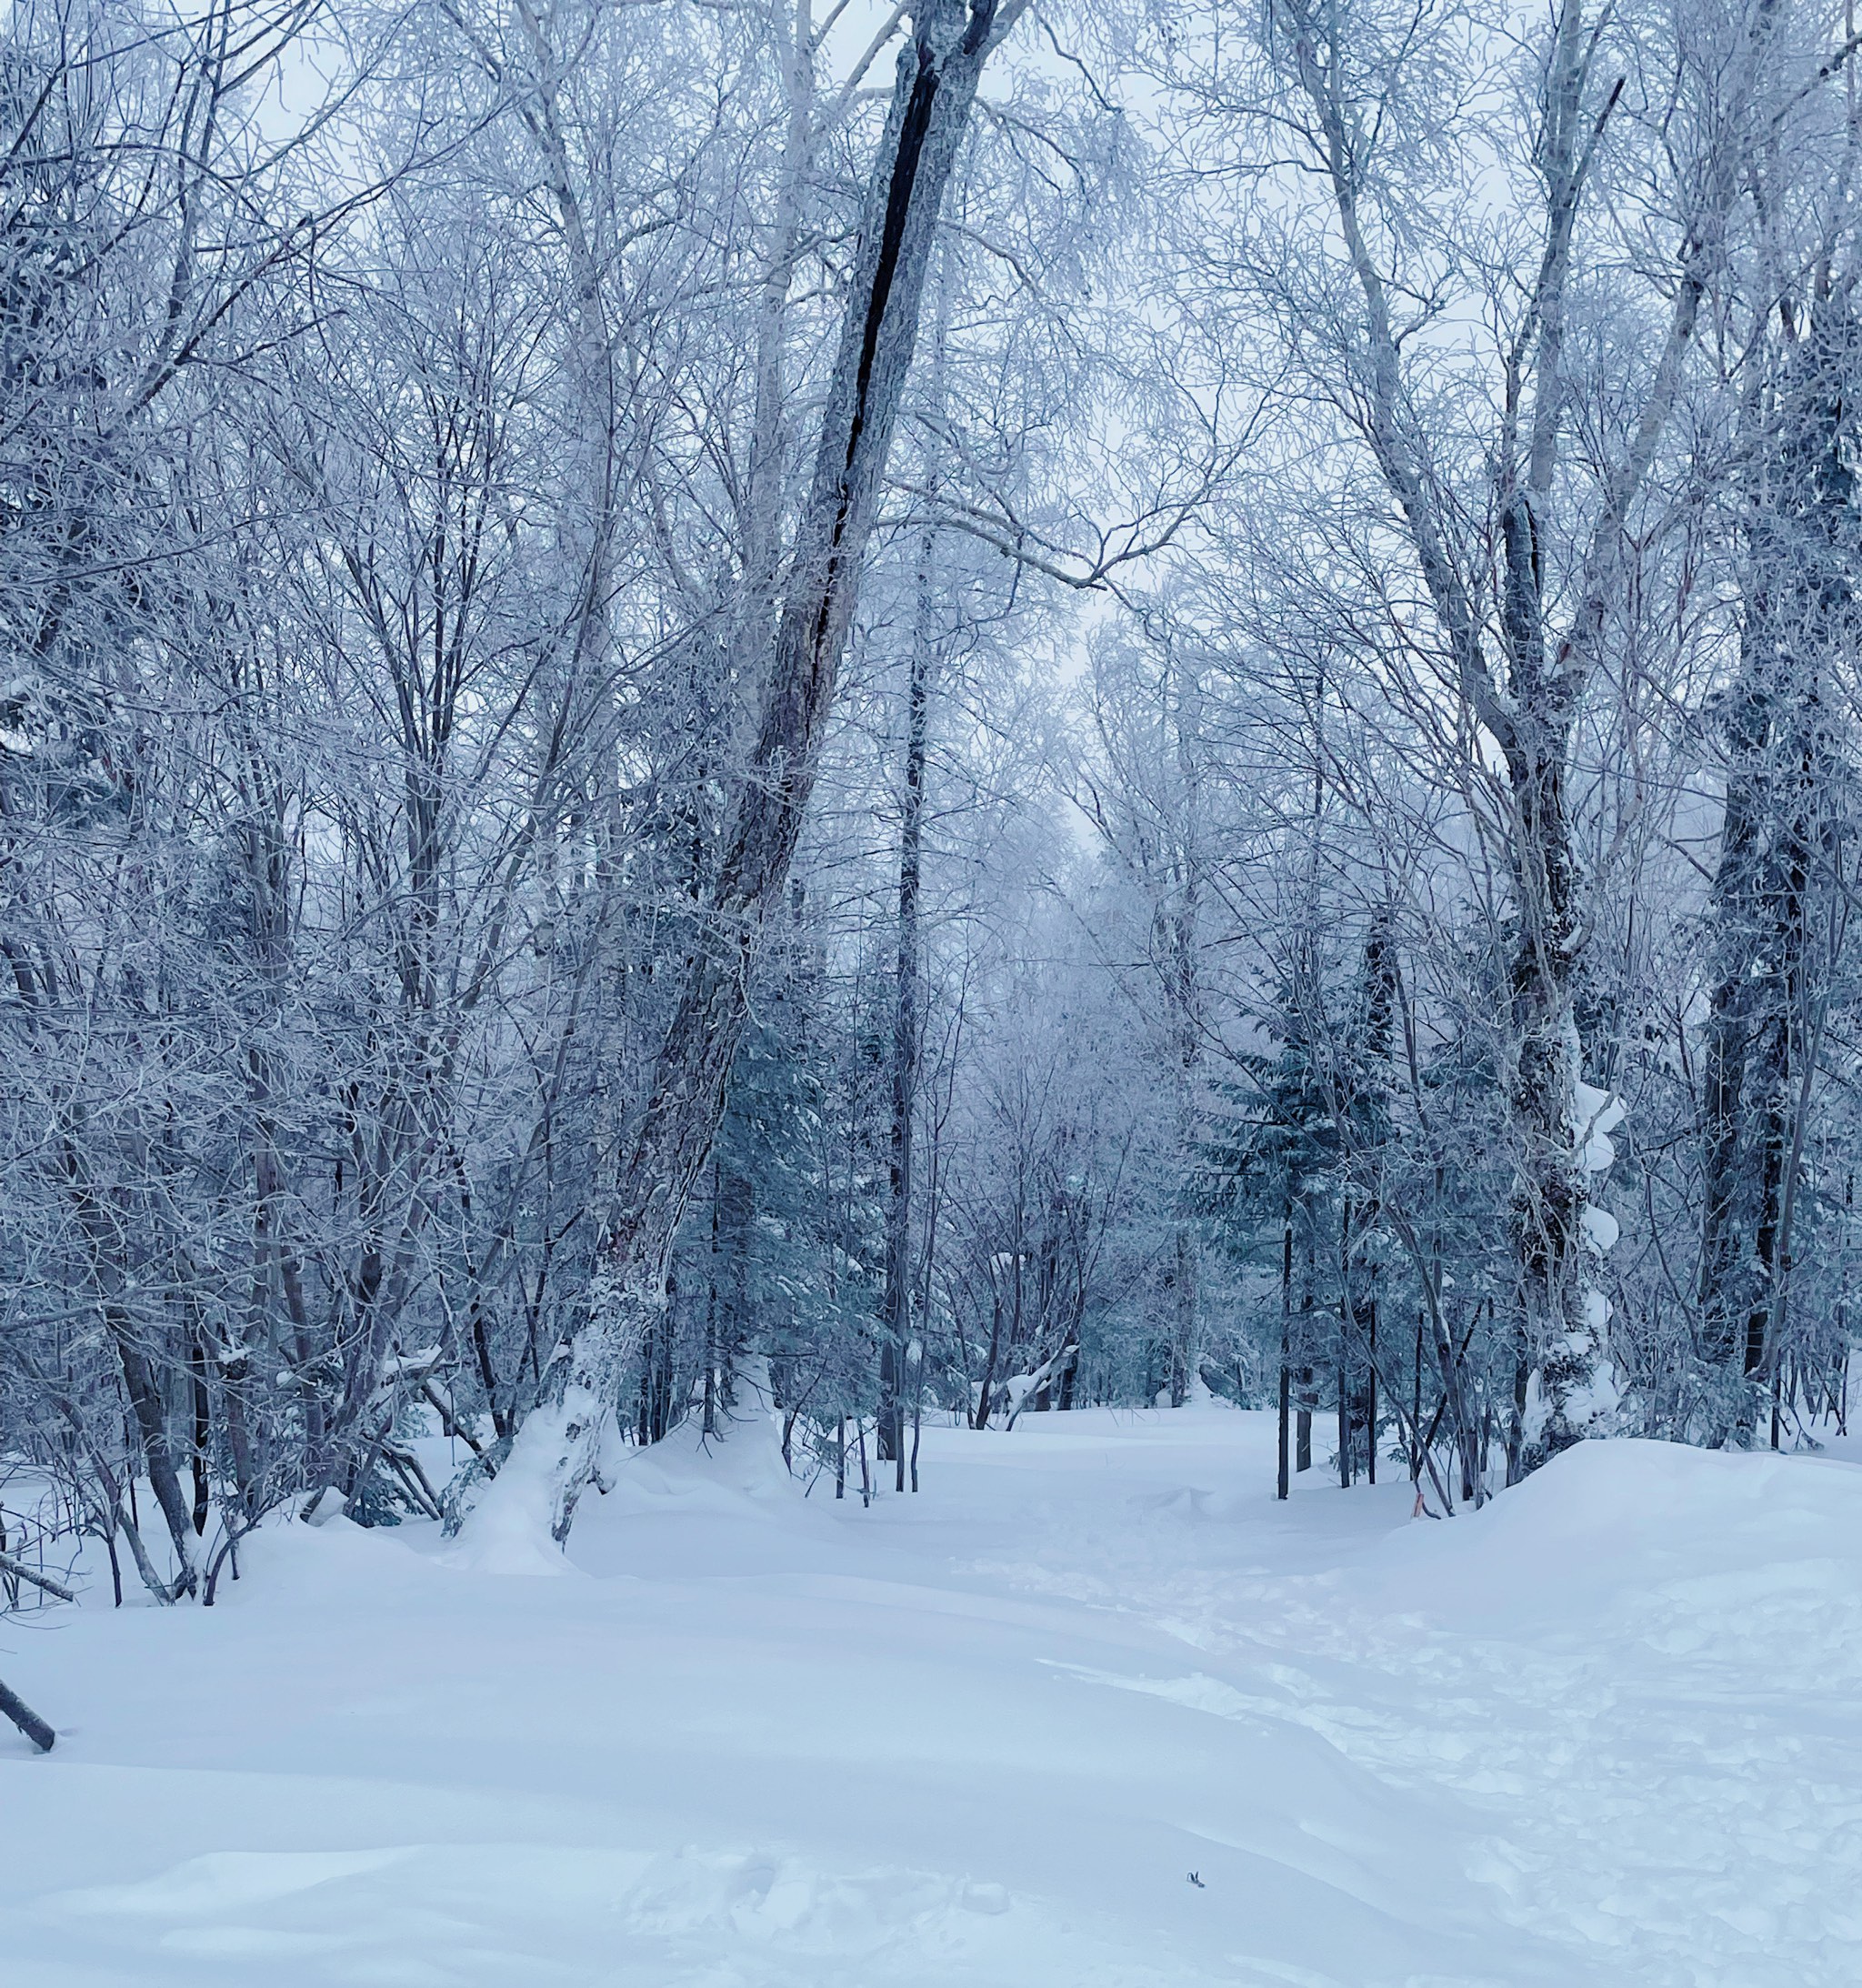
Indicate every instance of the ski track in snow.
{"type": "Point", "coordinates": [1607, 1734]}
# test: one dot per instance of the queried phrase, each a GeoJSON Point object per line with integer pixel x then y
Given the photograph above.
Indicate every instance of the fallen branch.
{"type": "Point", "coordinates": [27, 1721]}
{"type": "Point", "coordinates": [19, 1570]}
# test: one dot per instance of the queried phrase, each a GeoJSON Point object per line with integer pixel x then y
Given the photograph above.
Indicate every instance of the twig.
{"type": "Point", "coordinates": [450, 1424]}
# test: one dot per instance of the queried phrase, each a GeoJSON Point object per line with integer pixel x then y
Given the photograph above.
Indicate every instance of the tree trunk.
{"type": "Point", "coordinates": [986, 1390]}
{"type": "Point", "coordinates": [1551, 1189]}
{"type": "Point", "coordinates": [197, 1386]}
{"type": "Point", "coordinates": [1371, 1397]}
{"type": "Point", "coordinates": [1343, 1412]}
{"type": "Point", "coordinates": [1730, 1030]}
{"type": "Point", "coordinates": [102, 1244]}
{"type": "Point", "coordinates": [935, 86]}
{"type": "Point", "coordinates": [897, 1323]}
{"type": "Point", "coordinates": [15, 1708]}
{"type": "Point", "coordinates": [1800, 585]}
{"type": "Point", "coordinates": [1283, 1483]}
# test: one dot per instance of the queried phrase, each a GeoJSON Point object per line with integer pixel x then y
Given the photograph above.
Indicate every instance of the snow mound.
{"type": "Point", "coordinates": [1624, 1527]}
{"type": "Point", "coordinates": [736, 1472]}
{"type": "Point", "coordinates": [739, 1469]}
{"type": "Point", "coordinates": [507, 1530]}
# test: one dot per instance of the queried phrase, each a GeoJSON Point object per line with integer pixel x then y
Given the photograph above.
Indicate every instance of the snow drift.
{"type": "Point", "coordinates": [1607, 1734]}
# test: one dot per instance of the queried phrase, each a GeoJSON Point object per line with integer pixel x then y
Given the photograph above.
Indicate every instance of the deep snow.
{"type": "Point", "coordinates": [1609, 1732]}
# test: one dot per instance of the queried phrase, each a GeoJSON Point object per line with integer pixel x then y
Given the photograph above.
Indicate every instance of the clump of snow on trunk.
{"type": "Point", "coordinates": [509, 1528]}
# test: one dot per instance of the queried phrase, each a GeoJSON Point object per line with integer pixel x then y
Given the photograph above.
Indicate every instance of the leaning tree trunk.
{"type": "Point", "coordinates": [14, 1707]}
{"type": "Point", "coordinates": [935, 87]}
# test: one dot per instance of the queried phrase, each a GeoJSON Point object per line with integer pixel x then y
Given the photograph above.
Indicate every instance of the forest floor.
{"type": "Point", "coordinates": [1607, 1732]}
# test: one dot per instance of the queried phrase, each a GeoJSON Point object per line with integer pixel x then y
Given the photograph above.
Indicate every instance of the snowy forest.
{"type": "Point", "coordinates": [946, 714]}
{"type": "Point", "coordinates": [929, 1050]}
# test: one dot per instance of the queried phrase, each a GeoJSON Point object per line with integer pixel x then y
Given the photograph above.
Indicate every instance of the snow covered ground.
{"type": "Point", "coordinates": [1609, 1733]}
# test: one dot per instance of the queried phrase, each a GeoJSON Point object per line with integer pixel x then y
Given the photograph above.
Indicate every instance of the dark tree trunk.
{"type": "Point", "coordinates": [986, 1390]}
{"type": "Point", "coordinates": [197, 1387]}
{"type": "Point", "coordinates": [896, 1328]}
{"type": "Point", "coordinates": [1284, 1481]}
{"type": "Point", "coordinates": [146, 1405]}
{"type": "Point", "coordinates": [1370, 1399]}
{"type": "Point", "coordinates": [1801, 571]}
{"type": "Point", "coordinates": [1343, 1413]}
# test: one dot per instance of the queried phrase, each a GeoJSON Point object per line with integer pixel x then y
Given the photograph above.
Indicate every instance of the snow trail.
{"type": "Point", "coordinates": [1608, 1734]}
